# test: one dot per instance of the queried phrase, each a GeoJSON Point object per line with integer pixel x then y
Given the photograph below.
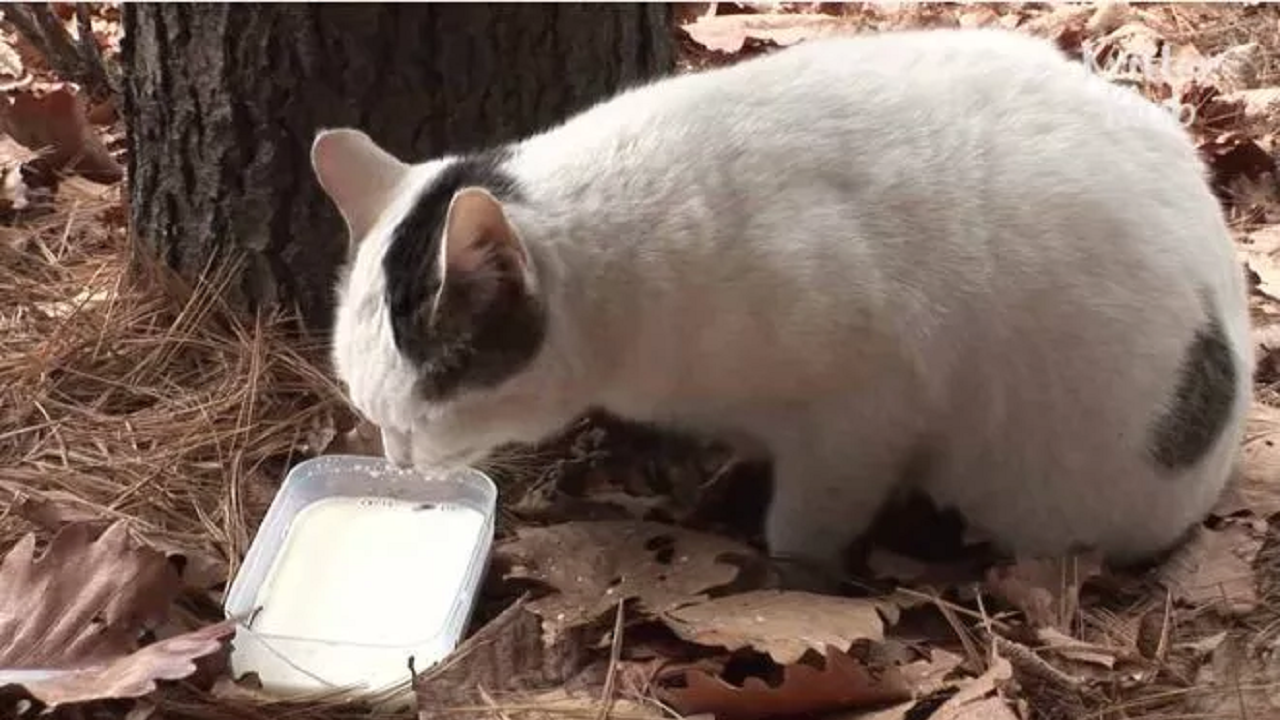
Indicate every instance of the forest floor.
{"type": "Point", "coordinates": [144, 429]}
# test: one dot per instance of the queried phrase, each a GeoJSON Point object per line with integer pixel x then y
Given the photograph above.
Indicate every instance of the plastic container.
{"type": "Point", "coordinates": [357, 567]}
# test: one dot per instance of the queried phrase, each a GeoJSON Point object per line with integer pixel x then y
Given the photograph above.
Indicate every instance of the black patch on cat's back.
{"type": "Point", "coordinates": [468, 346]}
{"type": "Point", "coordinates": [1201, 405]}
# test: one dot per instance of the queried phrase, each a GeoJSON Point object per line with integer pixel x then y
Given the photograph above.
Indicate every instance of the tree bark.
{"type": "Point", "coordinates": [222, 102]}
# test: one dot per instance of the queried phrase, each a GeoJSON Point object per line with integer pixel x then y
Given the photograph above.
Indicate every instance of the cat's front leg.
{"type": "Point", "coordinates": [397, 448]}
{"type": "Point", "coordinates": [822, 503]}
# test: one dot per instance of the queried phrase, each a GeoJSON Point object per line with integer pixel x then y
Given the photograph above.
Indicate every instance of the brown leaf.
{"type": "Point", "coordinates": [1233, 157]}
{"type": "Point", "coordinates": [54, 509]}
{"type": "Point", "coordinates": [1215, 567]}
{"type": "Point", "coordinates": [1260, 107]}
{"type": "Point", "coordinates": [1238, 68]}
{"type": "Point", "coordinates": [842, 682]}
{"type": "Point", "coordinates": [560, 704]}
{"type": "Point", "coordinates": [83, 601]}
{"type": "Point", "coordinates": [1256, 487]}
{"type": "Point", "coordinates": [593, 565]}
{"type": "Point", "coordinates": [134, 675]}
{"type": "Point", "coordinates": [969, 702]}
{"type": "Point", "coordinates": [507, 654]}
{"type": "Point", "coordinates": [988, 708]}
{"type": "Point", "coordinates": [1262, 254]}
{"type": "Point", "coordinates": [1046, 590]}
{"type": "Point", "coordinates": [728, 33]}
{"type": "Point", "coordinates": [1107, 17]}
{"type": "Point", "coordinates": [74, 613]}
{"type": "Point", "coordinates": [782, 624]}
{"type": "Point", "coordinates": [1081, 651]}
{"type": "Point", "coordinates": [54, 118]}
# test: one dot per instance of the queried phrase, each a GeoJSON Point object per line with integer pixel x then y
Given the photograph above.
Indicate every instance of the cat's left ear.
{"type": "Point", "coordinates": [482, 249]}
{"type": "Point", "coordinates": [358, 176]}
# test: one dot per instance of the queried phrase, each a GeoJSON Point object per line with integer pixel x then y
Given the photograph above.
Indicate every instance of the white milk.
{"type": "Point", "coordinates": [359, 585]}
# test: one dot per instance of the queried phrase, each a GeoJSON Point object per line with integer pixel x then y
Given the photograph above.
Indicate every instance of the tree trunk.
{"type": "Point", "coordinates": [222, 102]}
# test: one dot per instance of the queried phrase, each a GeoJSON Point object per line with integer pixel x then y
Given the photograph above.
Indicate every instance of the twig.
{"type": "Point", "coordinates": [615, 654]}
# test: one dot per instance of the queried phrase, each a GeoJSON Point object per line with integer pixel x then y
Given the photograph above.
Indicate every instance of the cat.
{"type": "Point", "coordinates": [946, 261]}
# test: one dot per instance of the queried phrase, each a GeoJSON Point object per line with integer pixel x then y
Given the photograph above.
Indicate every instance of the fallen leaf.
{"type": "Point", "coordinates": [1237, 68]}
{"type": "Point", "coordinates": [1107, 17]}
{"type": "Point", "coordinates": [1261, 249]}
{"type": "Point", "coordinates": [729, 33]}
{"type": "Point", "coordinates": [1238, 681]}
{"type": "Point", "coordinates": [53, 120]}
{"type": "Point", "coordinates": [70, 618]}
{"type": "Point", "coordinates": [559, 704]}
{"type": "Point", "coordinates": [1064, 645]}
{"type": "Point", "coordinates": [1046, 590]}
{"type": "Point", "coordinates": [130, 676]}
{"type": "Point", "coordinates": [928, 676]}
{"type": "Point", "coordinates": [1259, 109]}
{"type": "Point", "coordinates": [1215, 567]}
{"type": "Point", "coordinates": [55, 509]}
{"type": "Point", "coordinates": [988, 708]}
{"type": "Point", "coordinates": [783, 625]}
{"type": "Point", "coordinates": [842, 682]}
{"type": "Point", "coordinates": [1235, 156]}
{"type": "Point", "coordinates": [1255, 488]}
{"type": "Point", "coordinates": [83, 601]}
{"type": "Point", "coordinates": [13, 72]}
{"type": "Point", "coordinates": [961, 706]}
{"type": "Point", "coordinates": [505, 655]}
{"type": "Point", "coordinates": [594, 565]}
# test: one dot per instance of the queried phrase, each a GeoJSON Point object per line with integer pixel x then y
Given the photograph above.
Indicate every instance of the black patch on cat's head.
{"type": "Point", "coordinates": [1201, 405]}
{"type": "Point", "coordinates": [471, 343]}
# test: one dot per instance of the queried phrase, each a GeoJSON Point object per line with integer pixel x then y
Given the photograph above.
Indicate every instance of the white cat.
{"type": "Point", "coordinates": [952, 261]}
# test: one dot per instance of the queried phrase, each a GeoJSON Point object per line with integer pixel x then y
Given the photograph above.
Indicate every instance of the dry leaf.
{"type": "Point", "coordinates": [1262, 253]}
{"type": "Point", "coordinates": [1064, 645]}
{"type": "Point", "coordinates": [54, 509]}
{"type": "Point", "coordinates": [1046, 590]}
{"type": "Point", "coordinates": [54, 118]}
{"type": "Point", "coordinates": [842, 682]}
{"type": "Point", "coordinates": [926, 677]}
{"type": "Point", "coordinates": [131, 676]}
{"type": "Point", "coordinates": [728, 33]}
{"type": "Point", "coordinates": [507, 654]}
{"type": "Point", "coordinates": [1237, 68]}
{"type": "Point", "coordinates": [74, 614]}
{"type": "Point", "coordinates": [784, 625]}
{"type": "Point", "coordinates": [1215, 567]}
{"type": "Point", "coordinates": [961, 706]}
{"type": "Point", "coordinates": [83, 601]}
{"type": "Point", "coordinates": [1108, 16]}
{"type": "Point", "coordinates": [989, 708]}
{"type": "Point", "coordinates": [1256, 487]}
{"type": "Point", "coordinates": [594, 565]}
{"type": "Point", "coordinates": [1260, 108]}
{"type": "Point", "coordinates": [560, 704]}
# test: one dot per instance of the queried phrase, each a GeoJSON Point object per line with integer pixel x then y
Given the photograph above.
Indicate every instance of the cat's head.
{"type": "Point", "coordinates": [441, 330]}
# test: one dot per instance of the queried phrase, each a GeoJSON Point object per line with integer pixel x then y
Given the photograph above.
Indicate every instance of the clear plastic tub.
{"type": "Point", "coordinates": [357, 567]}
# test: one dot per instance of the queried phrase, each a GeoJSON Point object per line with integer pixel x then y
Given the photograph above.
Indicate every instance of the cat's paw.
{"type": "Point", "coordinates": [799, 574]}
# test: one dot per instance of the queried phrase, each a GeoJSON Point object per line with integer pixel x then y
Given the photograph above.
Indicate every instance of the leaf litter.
{"type": "Point", "coordinates": [71, 617]}
{"type": "Point", "coordinates": [221, 406]}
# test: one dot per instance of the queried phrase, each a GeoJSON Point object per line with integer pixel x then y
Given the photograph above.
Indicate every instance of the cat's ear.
{"type": "Point", "coordinates": [357, 175]}
{"type": "Point", "coordinates": [481, 253]}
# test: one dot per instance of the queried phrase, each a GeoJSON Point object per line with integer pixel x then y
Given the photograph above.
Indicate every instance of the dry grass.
{"type": "Point", "coordinates": [125, 394]}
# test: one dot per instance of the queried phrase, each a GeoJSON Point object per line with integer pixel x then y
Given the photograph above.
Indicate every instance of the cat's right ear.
{"type": "Point", "coordinates": [357, 175]}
